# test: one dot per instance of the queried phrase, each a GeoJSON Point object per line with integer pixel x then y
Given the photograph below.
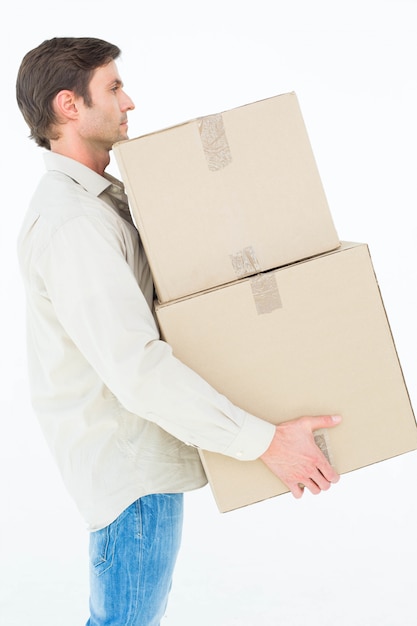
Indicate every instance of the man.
{"type": "Point", "coordinates": [123, 417]}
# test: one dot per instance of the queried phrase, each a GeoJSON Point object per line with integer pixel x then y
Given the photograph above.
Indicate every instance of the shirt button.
{"type": "Point", "coordinates": [239, 454]}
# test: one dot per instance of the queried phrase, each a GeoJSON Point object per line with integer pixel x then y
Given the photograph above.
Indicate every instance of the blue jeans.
{"type": "Point", "coordinates": [132, 562]}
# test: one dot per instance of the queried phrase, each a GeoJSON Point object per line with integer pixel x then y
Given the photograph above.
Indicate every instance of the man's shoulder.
{"type": "Point", "coordinates": [59, 198]}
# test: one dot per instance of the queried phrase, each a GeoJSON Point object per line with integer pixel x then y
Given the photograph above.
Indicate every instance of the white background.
{"type": "Point", "coordinates": [344, 558]}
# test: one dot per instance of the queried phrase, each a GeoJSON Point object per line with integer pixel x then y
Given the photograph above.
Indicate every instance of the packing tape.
{"type": "Point", "coordinates": [214, 141]}
{"type": "Point", "coordinates": [322, 441]}
{"type": "Point", "coordinates": [245, 262]}
{"type": "Point", "coordinates": [265, 293]}
{"type": "Point", "coordinates": [264, 286]}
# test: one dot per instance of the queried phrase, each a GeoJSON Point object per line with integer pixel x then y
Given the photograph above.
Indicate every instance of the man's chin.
{"type": "Point", "coordinates": [121, 137]}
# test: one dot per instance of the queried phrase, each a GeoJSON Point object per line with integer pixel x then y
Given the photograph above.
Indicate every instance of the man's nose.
{"type": "Point", "coordinates": [127, 103]}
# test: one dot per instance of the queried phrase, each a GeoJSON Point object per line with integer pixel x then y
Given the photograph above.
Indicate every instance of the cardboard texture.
{"type": "Point", "coordinates": [307, 339]}
{"type": "Point", "coordinates": [226, 196]}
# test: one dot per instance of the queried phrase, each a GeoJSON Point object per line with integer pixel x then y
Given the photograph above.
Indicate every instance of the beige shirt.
{"type": "Point", "coordinates": [122, 416]}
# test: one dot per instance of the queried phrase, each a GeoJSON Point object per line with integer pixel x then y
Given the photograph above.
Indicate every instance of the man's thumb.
{"type": "Point", "coordinates": [327, 421]}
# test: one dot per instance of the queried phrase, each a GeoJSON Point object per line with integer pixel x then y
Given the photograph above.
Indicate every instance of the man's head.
{"type": "Point", "coordinates": [66, 63]}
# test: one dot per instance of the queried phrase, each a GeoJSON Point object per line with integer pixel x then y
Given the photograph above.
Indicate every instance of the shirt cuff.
{"type": "Point", "coordinates": [253, 439]}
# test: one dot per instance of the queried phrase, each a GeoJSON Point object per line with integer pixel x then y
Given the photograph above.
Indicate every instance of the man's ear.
{"type": "Point", "coordinates": [65, 105]}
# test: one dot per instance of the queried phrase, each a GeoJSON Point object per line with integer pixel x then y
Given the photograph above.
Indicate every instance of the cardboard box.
{"type": "Point", "coordinates": [226, 196]}
{"type": "Point", "coordinates": [311, 338]}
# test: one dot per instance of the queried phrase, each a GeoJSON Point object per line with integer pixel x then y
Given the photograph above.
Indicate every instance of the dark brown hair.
{"type": "Point", "coordinates": [56, 64]}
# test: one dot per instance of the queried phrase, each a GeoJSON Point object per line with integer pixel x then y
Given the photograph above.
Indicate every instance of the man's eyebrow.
{"type": "Point", "coordinates": [116, 81]}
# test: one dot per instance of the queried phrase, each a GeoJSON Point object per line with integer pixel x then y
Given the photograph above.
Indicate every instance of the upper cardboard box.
{"type": "Point", "coordinates": [311, 338]}
{"type": "Point", "coordinates": [226, 196]}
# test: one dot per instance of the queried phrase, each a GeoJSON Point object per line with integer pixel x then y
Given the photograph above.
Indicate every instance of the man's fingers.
{"type": "Point", "coordinates": [313, 487]}
{"type": "Point", "coordinates": [316, 483]}
{"type": "Point", "coordinates": [324, 421]}
{"type": "Point", "coordinates": [297, 490]}
{"type": "Point", "coordinates": [325, 474]}
{"type": "Point", "coordinates": [310, 484]}
{"type": "Point", "coordinates": [322, 481]}
{"type": "Point", "coordinates": [327, 470]}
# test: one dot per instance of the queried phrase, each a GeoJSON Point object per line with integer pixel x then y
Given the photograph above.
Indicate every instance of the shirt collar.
{"type": "Point", "coordinates": [91, 181]}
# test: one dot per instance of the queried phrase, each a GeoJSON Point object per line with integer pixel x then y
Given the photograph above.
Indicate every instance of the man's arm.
{"type": "Point", "coordinates": [98, 302]}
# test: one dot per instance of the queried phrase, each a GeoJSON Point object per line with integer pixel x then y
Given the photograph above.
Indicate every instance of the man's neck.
{"type": "Point", "coordinates": [96, 161]}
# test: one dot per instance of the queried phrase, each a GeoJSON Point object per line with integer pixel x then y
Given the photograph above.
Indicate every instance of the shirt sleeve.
{"type": "Point", "coordinates": [99, 303]}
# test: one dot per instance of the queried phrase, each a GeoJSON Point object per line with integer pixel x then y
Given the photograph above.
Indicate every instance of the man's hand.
{"type": "Point", "coordinates": [295, 458]}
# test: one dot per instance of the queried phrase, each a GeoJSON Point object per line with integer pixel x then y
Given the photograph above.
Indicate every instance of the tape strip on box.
{"type": "Point", "coordinates": [264, 286]}
{"type": "Point", "coordinates": [245, 262]}
{"type": "Point", "coordinates": [265, 293]}
{"type": "Point", "coordinates": [214, 141]}
{"type": "Point", "coordinates": [322, 441]}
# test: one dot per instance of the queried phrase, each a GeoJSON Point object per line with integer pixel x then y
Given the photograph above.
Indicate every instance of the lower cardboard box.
{"type": "Point", "coordinates": [310, 338]}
